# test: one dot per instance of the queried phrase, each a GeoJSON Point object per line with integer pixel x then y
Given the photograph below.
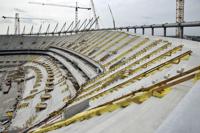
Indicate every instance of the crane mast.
{"type": "Point", "coordinates": [17, 24]}
{"type": "Point", "coordinates": [179, 15]}
{"type": "Point", "coordinates": [76, 16]}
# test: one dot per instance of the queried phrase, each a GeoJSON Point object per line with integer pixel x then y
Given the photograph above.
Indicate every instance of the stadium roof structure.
{"type": "Point", "coordinates": [99, 81]}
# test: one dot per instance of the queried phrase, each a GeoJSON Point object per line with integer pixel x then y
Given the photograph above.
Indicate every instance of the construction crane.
{"type": "Point", "coordinates": [68, 6]}
{"type": "Point", "coordinates": [95, 15]}
{"type": "Point", "coordinates": [17, 21]}
{"type": "Point", "coordinates": [179, 15]}
{"type": "Point", "coordinates": [114, 26]}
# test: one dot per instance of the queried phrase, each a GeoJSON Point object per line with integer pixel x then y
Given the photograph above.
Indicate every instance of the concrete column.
{"type": "Point", "coordinates": [165, 31]}
{"type": "Point", "coordinates": [135, 30]}
{"type": "Point", "coordinates": [181, 32]}
{"type": "Point", "coordinates": [143, 31]}
{"type": "Point", "coordinates": [152, 31]}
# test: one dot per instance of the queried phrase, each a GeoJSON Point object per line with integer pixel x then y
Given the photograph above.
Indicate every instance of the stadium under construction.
{"type": "Point", "coordinates": [88, 79]}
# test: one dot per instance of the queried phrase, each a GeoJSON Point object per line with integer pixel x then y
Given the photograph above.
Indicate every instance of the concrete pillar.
{"type": "Point", "coordinates": [152, 31]}
{"type": "Point", "coordinates": [165, 31]}
{"type": "Point", "coordinates": [181, 32]}
{"type": "Point", "coordinates": [135, 30]}
{"type": "Point", "coordinates": [143, 31]}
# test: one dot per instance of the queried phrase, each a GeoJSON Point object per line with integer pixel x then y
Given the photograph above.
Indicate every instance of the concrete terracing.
{"type": "Point", "coordinates": [129, 82]}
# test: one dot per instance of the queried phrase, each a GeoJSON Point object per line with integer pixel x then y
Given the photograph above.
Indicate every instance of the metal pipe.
{"type": "Point", "coordinates": [82, 24]}
{"type": "Point", "coordinates": [62, 28]}
{"type": "Point", "coordinates": [40, 29]}
{"type": "Point", "coordinates": [47, 29]}
{"type": "Point", "coordinates": [69, 26]}
{"type": "Point", "coordinates": [93, 23]}
{"type": "Point", "coordinates": [87, 24]}
{"type": "Point", "coordinates": [31, 32]}
{"type": "Point", "coordinates": [55, 28]}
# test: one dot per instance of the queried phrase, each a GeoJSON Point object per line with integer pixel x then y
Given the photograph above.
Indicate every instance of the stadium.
{"type": "Point", "coordinates": [88, 79]}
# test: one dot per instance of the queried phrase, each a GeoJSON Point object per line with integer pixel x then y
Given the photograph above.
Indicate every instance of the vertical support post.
{"type": "Point", "coordinates": [152, 31]}
{"type": "Point", "coordinates": [181, 32]}
{"type": "Point", "coordinates": [23, 32]}
{"type": "Point", "coordinates": [135, 30]}
{"type": "Point", "coordinates": [17, 24]}
{"type": "Point", "coordinates": [8, 30]}
{"type": "Point", "coordinates": [127, 29]}
{"type": "Point", "coordinates": [179, 15]}
{"type": "Point", "coordinates": [113, 19]}
{"type": "Point", "coordinates": [94, 13]}
{"type": "Point", "coordinates": [76, 17]}
{"type": "Point", "coordinates": [165, 31]}
{"type": "Point", "coordinates": [143, 31]}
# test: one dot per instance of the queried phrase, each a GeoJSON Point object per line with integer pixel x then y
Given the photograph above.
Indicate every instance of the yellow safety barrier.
{"type": "Point", "coordinates": [135, 63]}
{"type": "Point", "coordinates": [40, 106]}
{"type": "Point", "coordinates": [9, 114]}
{"type": "Point", "coordinates": [197, 77]}
{"type": "Point", "coordinates": [106, 108]}
{"type": "Point", "coordinates": [161, 93]}
{"type": "Point", "coordinates": [123, 63]}
{"type": "Point", "coordinates": [138, 77]}
{"type": "Point", "coordinates": [132, 80]}
{"type": "Point", "coordinates": [45, 97]}
{"type": "Point", "coordinates": [22, 105]}
{"type": "Point", "coordinates": [29, 97]}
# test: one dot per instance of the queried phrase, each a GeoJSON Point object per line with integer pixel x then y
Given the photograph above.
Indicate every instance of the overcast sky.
{"type": "Point", "coordinates": [126, 12]}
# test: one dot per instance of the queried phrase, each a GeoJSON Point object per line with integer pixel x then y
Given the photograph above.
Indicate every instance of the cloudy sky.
{"type": "Point", "coordinates": [126, 12]}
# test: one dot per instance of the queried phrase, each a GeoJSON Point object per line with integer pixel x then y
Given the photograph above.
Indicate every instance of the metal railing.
{"type": "Point", "coordinates": [90, 24]}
